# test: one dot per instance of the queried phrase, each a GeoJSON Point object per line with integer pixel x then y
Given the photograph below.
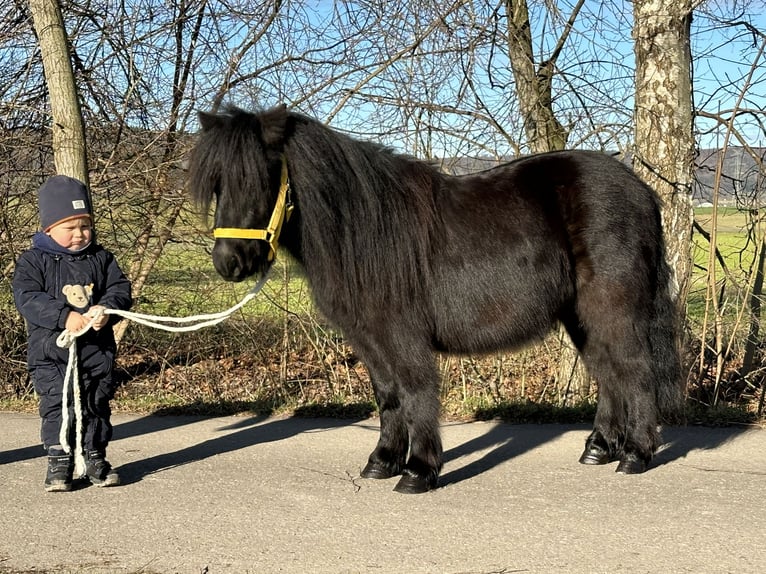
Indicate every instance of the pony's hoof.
{"type": "Point", "coordinates": [376, 471]}
{"type": "Point", "coordinates": [631, 464]}
{"type": "Point", "coordinates": [410, 484]}
{"type": "Point", "coordinates": [594, 454]}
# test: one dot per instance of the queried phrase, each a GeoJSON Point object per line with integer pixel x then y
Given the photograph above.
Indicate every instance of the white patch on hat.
{"type": "Point", "coordinates": [78, 204]}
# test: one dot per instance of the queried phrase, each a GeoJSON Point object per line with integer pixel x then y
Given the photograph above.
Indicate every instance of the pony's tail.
{"type": "Point", "coordinates": [663, 333]}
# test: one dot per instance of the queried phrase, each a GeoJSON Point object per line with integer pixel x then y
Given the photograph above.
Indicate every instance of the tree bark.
{"type": "Point", "coordinates": [664, 141]}
{"type": "Point", "coordinates": [753, 340]}
{"type": "Point", "coordinates": [534, 84]}
{"type": "Point", "coordinates": [543, 131]}
{"type": "Point", "coordinates": [68, 131]}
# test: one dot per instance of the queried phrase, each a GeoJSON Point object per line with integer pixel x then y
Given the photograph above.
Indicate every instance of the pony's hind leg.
{"type": "Point", "coordinates": [597, 449]}
{"type": "Point", "coordinates": [615, 346]}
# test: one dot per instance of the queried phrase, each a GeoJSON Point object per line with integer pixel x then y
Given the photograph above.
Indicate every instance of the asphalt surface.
{"type": "Point", "coordinates": [262, 495]}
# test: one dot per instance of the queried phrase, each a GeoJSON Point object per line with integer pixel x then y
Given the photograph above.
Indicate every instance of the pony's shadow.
{"type": "Point", "coordinates": [251, 431]}
{"type": "Point", "coordinates": [503, 442]}
{"type": "Point", "coordinates": [680, 441]}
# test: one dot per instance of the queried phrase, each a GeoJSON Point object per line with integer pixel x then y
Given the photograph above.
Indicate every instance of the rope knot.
{"type": "Point", "coordinates": [66, 339]}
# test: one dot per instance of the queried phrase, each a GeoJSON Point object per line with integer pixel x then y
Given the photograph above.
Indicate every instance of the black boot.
{"type": "Point", "coordinates": [98, 469]}
{"type": "Point", "coordinates": [60, 469]}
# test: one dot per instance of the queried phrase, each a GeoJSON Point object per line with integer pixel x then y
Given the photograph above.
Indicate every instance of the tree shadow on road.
{"type": "Point", "coordinates": [249, 431]}
{"type": "Point", "coordinates": [502, 442]}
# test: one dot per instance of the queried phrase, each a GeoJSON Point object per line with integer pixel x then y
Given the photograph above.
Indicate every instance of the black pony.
{"type": "Point", "coordinates": [408, 261]}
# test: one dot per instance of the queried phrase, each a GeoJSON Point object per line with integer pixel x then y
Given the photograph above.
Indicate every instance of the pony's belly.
{"type": "Point", "coordinates": [489, 305]}
{"type": "Point", "coordinates": [491, 325]}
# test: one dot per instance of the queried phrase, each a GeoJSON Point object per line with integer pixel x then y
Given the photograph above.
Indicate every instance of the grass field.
{"type": "Point", "coordinates": [737, 239]}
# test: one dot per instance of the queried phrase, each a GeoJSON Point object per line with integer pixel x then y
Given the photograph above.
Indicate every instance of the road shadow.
{"type": "Point", "coordinates": [166, 419]}
{"type": "Point", "coordinates": [503, 442]}
{"type": "Point", "coordinates": [143, 425]}
{"type": "Point", "coordinates": [21, 454]}
{"type": "Point", "coordinates": [250, 431]}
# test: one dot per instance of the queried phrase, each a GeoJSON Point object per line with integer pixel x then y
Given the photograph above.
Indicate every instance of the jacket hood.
{"type": "Point", "coordinates": [43, 242]}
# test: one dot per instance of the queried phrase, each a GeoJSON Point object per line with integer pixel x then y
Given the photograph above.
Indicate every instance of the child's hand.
{"type": "Point", "coordinates": [97, 310]}
{"type": "Point", "coordinates": [75, 322]}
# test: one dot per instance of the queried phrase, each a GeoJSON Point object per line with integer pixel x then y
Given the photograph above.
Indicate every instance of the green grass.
{"type": "Point", "coordinates": [184, 283]}
{"type": "Point", "coordinates": [738, 254]}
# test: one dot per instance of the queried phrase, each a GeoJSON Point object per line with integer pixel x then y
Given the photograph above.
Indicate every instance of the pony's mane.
{"type": "Point", "coordinates": [366, 211]}
{"type": "Point", "coordinates": [373, 206]}
{"type": "Point", "coordinates": [229, 153]}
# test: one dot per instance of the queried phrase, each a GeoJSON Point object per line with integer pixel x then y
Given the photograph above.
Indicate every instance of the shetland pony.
{"type": "Point", "coordinates": [408, 261]}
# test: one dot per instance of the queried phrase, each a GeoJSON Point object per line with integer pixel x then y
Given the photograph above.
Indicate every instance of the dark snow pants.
{"type": "Point", "coordinates": [96, 394]}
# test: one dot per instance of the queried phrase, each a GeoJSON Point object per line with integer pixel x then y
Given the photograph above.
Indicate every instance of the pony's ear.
{"type": "Point", "coordinates": [207, 120]}
{"type": "Point", "coordinates": [273, 124]}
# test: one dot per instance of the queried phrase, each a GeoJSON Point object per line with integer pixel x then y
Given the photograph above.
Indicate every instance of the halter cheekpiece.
{"type": "Point", "coordinates": [283, 209]}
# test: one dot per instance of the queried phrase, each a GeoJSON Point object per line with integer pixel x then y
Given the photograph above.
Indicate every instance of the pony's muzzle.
{"type": "Point", "coordinates": [229, 260]}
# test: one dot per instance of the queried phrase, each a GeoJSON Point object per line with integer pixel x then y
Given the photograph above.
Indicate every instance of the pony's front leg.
{"type": "Point", "coordinates": [390, 454]}
{"type": "Point", "coordinates": [419, 396]}
{"type": "Point", "coordinates": [406, 388]}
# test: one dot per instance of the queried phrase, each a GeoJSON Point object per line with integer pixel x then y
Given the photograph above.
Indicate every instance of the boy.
{"type": "Point", "coordinates": [62, 282]}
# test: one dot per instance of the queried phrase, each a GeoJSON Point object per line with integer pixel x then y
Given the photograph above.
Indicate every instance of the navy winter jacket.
{"type": "Point", "coordinates": [50, 281]}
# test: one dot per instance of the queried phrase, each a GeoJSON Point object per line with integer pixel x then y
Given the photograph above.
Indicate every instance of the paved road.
{"type": "Point", "coordinates": [262, 495]}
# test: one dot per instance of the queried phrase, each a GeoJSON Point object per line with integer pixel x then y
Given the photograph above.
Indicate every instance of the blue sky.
{"type": "Point", "coordinates": [723, 54]}
{"type": "Point", "coordinates": [596, 71]}
{"type": "Point", "coordinates": [724, 62]}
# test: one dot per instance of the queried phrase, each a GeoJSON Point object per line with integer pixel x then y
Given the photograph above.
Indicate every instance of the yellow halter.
{"type": "Point", "coordinates": [282, 211]}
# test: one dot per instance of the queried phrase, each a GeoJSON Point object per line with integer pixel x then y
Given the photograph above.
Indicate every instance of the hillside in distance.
{"type": "Point", "coordinates": [742, 181]}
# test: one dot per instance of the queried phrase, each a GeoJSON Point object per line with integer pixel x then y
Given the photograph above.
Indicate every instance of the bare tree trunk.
{"type": "Point", "coordinates": [664, 152]}
{"type": "Point", "coordinates": [69, 152]}
{"type": "Point", "coordinates": [534, 85]}
{"type": "Point", "coordinates": [753, 340]}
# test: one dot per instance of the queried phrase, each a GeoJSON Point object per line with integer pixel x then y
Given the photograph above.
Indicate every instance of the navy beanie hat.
{"type": "Point", "coordinates": [61, 198]}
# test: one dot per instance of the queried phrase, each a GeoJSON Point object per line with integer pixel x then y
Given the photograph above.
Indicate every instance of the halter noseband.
{"type": "Point", "coordinates": [282, 211]}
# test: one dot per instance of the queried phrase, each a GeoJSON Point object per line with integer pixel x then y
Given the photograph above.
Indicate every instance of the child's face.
{"type": "Point", "coordinates": [73, 234]}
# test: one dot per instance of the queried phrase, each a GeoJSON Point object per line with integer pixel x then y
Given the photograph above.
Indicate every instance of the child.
{"type": "Point", "coordinates": [62, 282]}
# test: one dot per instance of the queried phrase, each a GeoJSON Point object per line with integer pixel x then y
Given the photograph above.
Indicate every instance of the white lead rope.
{"type": "Point", "coordinates": [67, 339]}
